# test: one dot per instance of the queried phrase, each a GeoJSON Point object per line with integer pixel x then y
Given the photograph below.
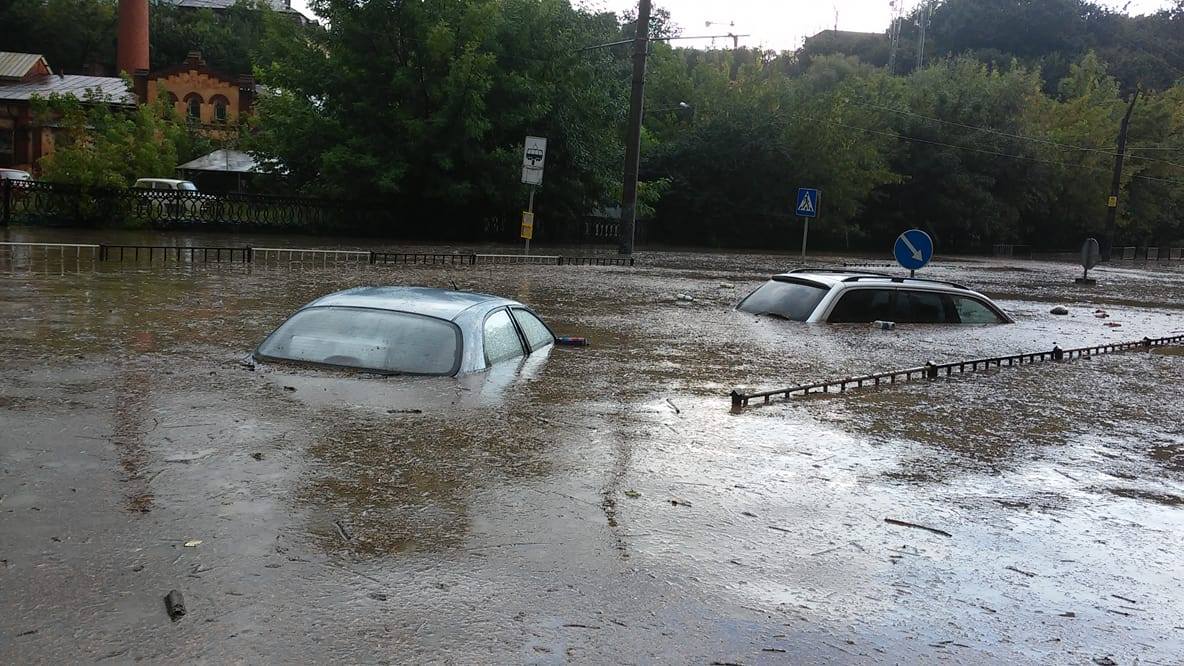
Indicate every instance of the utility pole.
{"type": "Point", "coordinates": [633, 135]}
{"type": "Point", "coordinates": [1116, 182]}
{"type": "Point", "coordinates": [922, 24]}
{"type": "Point", "coordinates": [894, 34]}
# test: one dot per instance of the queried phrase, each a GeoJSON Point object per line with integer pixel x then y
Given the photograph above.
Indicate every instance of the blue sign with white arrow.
{"type": "Point", "coordinates": [913, 249]}
{"type": "Point", "coordinates": [807, 202]}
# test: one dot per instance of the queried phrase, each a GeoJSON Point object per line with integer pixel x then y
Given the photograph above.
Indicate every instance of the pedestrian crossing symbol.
{"type": "Point", "coordinates": [807, 202]}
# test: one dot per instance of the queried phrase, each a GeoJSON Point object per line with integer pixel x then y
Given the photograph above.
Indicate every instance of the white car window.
{"type": "Point", "coordinates": [920, 307]}
{"type": "Point", "coordinates": [537, 333]}
{"type": "Point", "coordinates": [858, 306]}
{"type": "Point", "coordinates": [501, 338]}
{"type": "Point", "coordinates": [971, 311]}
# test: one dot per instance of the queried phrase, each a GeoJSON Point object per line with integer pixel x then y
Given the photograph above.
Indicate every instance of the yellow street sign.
{"type": "Point", "coordinates": [1112, 202]}
{"type": "Point", "coordinates": [527, 225]}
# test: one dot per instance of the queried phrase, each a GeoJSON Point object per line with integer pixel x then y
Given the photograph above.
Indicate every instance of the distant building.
{"type": "Point", "coordinates": [869, 47]}
{"type": "Point", "coordinates": [23, 138]}
{"type": "Point", "coordinates": [284, 6]}
{"type": "Point", "coordinates": [214, 100]}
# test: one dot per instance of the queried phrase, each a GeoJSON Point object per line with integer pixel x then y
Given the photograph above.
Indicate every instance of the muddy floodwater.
{"type": "Point", "coordinates": [591, 505]}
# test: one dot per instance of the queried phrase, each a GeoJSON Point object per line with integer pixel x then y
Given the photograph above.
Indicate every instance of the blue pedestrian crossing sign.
{"type": "Point", "coordinates": [913, 249]}
{"type": "Point", "coordinates": [807, 202]}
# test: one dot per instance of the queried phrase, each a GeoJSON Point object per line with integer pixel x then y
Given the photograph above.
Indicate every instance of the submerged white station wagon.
{"type": "Point", "coordinates": [842, 297]}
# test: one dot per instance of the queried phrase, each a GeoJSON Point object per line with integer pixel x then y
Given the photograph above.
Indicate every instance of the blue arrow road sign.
{"type": "Point", "coordinates": [913, 249]}
{"type": "Point", "coordinates": [807, 202]}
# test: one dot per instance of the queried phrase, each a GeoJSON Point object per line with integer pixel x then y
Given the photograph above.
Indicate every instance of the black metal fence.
{"type": "Point", "coordinates": [58, 204]}
{"type": "Point", "coordinates": [742, 399]}
{"type": "Point", "coordinates": [26, 254]}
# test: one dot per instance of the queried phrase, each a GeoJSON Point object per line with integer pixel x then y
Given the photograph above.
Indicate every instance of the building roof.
{"type": "Point", "coordinates": [277, 5]}
{"type": "Point", "coordinates": [223, 161]}
{"type": "Point", "coordinates": [16, 66]}
{"type": "Point", "coordinates": [847, 34]}
{"type": "Point", "coordinates": [109, 87]}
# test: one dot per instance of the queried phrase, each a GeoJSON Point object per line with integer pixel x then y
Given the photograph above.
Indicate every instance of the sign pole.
{"type": "Point", "coordinates": [808, 201]}
{"type": "Point", "coordinates": [530, 209]}
{"type": "Point", "coordinates": [805, 233]}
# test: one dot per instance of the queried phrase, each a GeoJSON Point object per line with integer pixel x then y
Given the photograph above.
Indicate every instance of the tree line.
{"type": "Point", "coordinates": [998, 139]}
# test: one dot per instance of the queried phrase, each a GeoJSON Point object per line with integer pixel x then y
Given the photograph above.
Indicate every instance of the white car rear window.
{"type": "Point", "coordinates": [788, 299]}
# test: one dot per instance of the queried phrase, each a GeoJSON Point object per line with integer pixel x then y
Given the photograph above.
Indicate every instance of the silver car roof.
{"type": "Point", "coordinates": [830, 278]}
{"type": "Point", "coordinates": [440, 303]}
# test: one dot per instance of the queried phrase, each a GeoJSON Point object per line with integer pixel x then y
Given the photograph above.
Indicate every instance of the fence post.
{"type": "Point", "coordinates": [737, 400]}
{"type": "Point", "coordinates": [7, 209]}
{"type": "Point", "coordinates": [249, 255]}
{"type": "Point", "coordinates": [1058, 354]}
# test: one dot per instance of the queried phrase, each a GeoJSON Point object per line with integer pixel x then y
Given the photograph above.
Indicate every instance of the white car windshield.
{"type": "Point", "coordinates": [788, 299]}
{"type": "Point", "coordinates": [376, 340]}
{"type": "Point", "coordinates": [187, 186]}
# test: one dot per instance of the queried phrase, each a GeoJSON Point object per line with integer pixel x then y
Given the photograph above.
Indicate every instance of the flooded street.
{"type": "Point", "coordinates": [597, 504]}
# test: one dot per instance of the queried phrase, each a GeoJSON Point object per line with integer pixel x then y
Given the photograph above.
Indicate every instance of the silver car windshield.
{"type": "Point", "coordinates": [376, 340]}
{"type": "Point", "coordinates": [788, 299]}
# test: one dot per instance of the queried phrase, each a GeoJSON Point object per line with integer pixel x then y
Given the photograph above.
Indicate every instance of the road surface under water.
{"type": "Point", "coordinates": [594, 504]}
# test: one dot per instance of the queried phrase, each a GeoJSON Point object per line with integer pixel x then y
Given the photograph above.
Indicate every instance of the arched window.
{"type": "Point", "coordinates": [173, 100]}
{"type": "Point", "coordinates": [193, 103]}
{"type": "Point", "coordinates": [221, 108]}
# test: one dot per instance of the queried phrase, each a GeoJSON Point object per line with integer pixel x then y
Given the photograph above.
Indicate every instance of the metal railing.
{"type": "Point", "coordinates": [176, 253]}
{"type": "Point", "coordinates": [931, 370]}
{"type": "Point", "coordinates": [278, 256]}
{"type": "Point", "coordinates": [532, 259]}
{"type": "Point", "coordinates": [16, 256]}
{"type": "Point", "coordinates": [305, 256]}
{"type": "Point", "coordinates": [418, 258]}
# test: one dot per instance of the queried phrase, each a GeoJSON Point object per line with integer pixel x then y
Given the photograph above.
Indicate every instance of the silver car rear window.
{"type": "Point", "coordinates": [376, 340]}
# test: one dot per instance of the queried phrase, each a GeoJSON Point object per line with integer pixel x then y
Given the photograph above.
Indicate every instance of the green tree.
{"type": "Point", "coordinates": [80, 35]}
{"type": "Point", "coordinates": [426, 105]}
{"type": "Point", "coordinates": [103, 144]}
{"type": "Point", "coordinates": [74, 35]}
{"type": "Point", "coordinates": [753, 141]}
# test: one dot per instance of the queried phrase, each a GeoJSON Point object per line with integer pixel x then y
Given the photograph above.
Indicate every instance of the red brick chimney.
{"type": "Point", "coordinates": [132, 53]}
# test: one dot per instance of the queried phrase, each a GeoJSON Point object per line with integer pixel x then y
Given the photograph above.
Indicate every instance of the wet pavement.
{"type": "Point", "coordinates": [598, 504]}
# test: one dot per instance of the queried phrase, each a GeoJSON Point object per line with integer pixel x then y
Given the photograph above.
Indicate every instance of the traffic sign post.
{"type": "Point", "coordinates": [806, 207]}
{"type": "Point", "coordinates": [913, 250]}
{"type": "Point", "coordinates": [534, 157]}
{"type": "Point", "coordinates": [1091, 254]}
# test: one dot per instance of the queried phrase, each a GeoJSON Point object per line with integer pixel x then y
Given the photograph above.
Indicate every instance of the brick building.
{"type": "Point", "coordinates": [23, 139]}
{"type": "Point", "coordinates": [214, 100]}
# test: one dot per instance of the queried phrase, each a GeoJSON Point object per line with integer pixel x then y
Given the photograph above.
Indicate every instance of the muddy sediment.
{"type": "Point", "coordinates": [594, 504]}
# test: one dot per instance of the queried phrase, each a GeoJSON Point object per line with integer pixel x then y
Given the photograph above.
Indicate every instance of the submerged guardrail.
{"type": "Point", "coordinates": [742, 400]}
{"type": "Point", "coordinates": [279, 256]}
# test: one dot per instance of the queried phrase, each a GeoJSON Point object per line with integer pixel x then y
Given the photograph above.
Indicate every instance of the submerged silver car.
{"type": "Point", "coordinates": [837, 296]}
{"type": "Point", "coordinates": [407, 331]}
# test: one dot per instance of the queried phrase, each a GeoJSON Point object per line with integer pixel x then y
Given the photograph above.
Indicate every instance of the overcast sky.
{"type": "Point", "coordinates": [782, 24]}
